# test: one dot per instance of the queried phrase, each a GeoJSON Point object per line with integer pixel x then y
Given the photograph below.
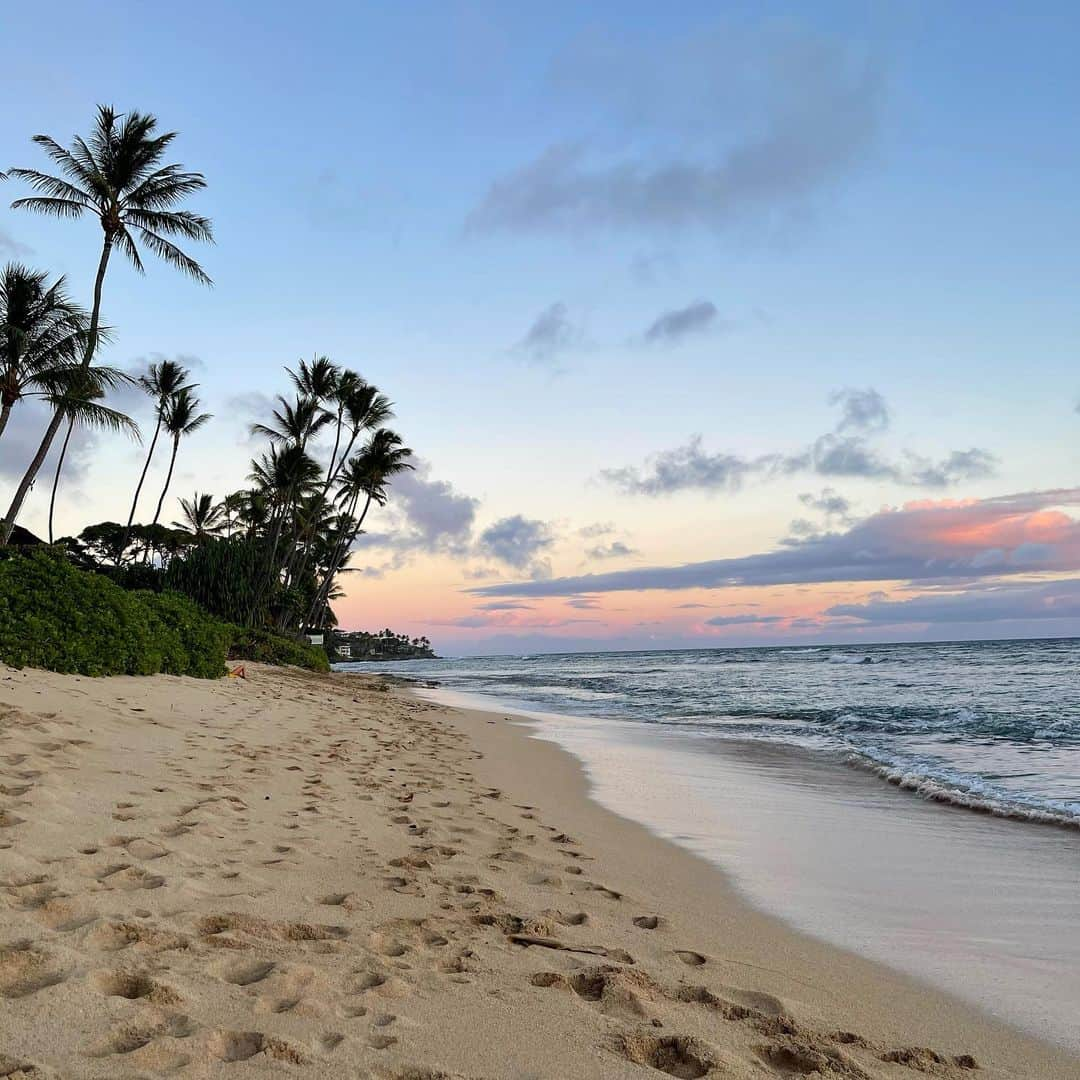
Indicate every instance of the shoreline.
{"type": "Point", "coordinates": [315, 875]}
{"type": "Point", "coordinates": [768, 935]}
{"type": "Point", "coordinates": [942, 895]}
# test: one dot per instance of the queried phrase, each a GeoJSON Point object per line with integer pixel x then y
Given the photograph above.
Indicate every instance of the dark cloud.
{"type": "Point", "coordinates": [973, 464]}
{"type": "Point", "coordinates": [551, 333]}
{"type": "Point", "coordinates": [675, 151]}
{"type": "Point", "coordinates": [921, 542]}
{"type": "Point", "coordinates": [829, 502]}
{"type": "Point", "coordinates": [615, 550]}
{"type": "Point", "coordinates": [842, 452]}
{"type": "Point", "coordinates": [1010, 601]}
{"type": "Point", "coordinates": [505, 605]}
{"type": "Point", "coordinates": [860, 410]}
{"type": "Point", "coordinates": [744, 620]}
{"type": "Point", "coordinates": [426, 516]}
{"type": "Point", "coordinates": [684, 468]}
{"type": "Point", "coordinates": [672, 326]}
{"type": "Point", "coordinates": [518, 542]}
{"type": "Point", "coordinates": [583, 603]}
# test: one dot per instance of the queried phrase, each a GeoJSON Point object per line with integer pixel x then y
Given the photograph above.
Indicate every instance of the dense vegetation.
{"type": "Point", "coordinates": [267, 557]}
{"type": "Point", "coordinates": [270, 648]}
{"type": "Point", "coordinates": [55, 616]}
{"type": "Point", "coordinates": [385, 645]}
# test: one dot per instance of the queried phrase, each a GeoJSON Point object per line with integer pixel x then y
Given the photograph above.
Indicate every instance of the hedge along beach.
{"type": "Point", "coordinates": [302, 874]}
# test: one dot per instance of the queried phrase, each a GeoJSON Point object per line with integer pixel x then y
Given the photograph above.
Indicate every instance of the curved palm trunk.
{"type": "Point", "coordinates": [168, 480]}
{"type": "Point", "coordinates": [30, 475]}
{"type": "Point", "coordinates": [341, 551]}
{"type": "Point", "coordinates": [333, 453]}
{"type": "Point", "coordinates": [56, 475]}
{"type": "Point", "coordinates": [5, 412]}
{"type": "Point", "coordinates": [142, 475]}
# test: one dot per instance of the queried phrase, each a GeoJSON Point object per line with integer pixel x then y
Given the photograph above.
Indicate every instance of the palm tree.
{"type": "Point", "coordinates": [317, 380]}
{"type": "Point", "coordinates": [295, 423]}
{"type": "Point", "coordinates": [360, 407]}
{"type": "Point", "coordinates": [117, 176]}
{"type": "Point", "coordinates": [181, 417]}
{"type": "Point", "coordinates": [284, 475]}
{"type": "Point", "coordinates": [42, 330]}
{"type": "Point", "coordinates": [365, 476]}
{"type": "Point", "coordinates": [232, 508]}
{"type": "Point", "coordinates": [79, 401]}
{"type": "Point", "coordinates": [201, 516]}
{"type": "Point", "coordinates": [162, 382]}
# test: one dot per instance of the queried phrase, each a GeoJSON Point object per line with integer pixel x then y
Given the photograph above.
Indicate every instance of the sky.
{"type": "Point", "coordinates": [709, 324]}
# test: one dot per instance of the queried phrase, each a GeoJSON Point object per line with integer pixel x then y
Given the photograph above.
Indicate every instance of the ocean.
{"type": "Point", "coordinates": [917, 803]}
{"type": "Point", "coordinates": [993, 726]}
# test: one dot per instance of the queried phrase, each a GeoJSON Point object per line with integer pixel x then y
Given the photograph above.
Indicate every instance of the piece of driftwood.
{"type": "Point", "coordinates": [555, 943]}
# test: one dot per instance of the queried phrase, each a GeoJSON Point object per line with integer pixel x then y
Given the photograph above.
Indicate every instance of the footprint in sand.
{"type": "Point", "coordinates": [245, 972]}
{"type": "Point", "coordinates": [241, 1045]}
{"type": "Point", "coordinates": [26, 968]}
{"type": "Point", "coordinates": [690, 958]}
{"type": "Point", "coordinates": [134, 986]}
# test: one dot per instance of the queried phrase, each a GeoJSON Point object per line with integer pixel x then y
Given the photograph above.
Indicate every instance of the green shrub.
{"type": "Point", "coordinates": [57, 617]}
{"type": "Point", "coordinates": [268, 648]}
{"type": "Point", "coordinates": [227, 577]}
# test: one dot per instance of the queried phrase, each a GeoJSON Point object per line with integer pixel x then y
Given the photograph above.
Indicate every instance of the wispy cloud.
{"type": "Point", "coordinates": [551, 333]}
{"type": "Point", "coordinates": [744, 620]}
{"type": "Point", "coordinates": [920, 542]}
{"type": "Point", "coordinates": [843, 452]}
{"type": "Point", "coordinates": [808, 113]}
{"type": "Point", "coordinates": [671, 327]}
{"type": "Point", "coordinates": [1005, 602]}
{"type": "Point", "coordinates": [615, 550]}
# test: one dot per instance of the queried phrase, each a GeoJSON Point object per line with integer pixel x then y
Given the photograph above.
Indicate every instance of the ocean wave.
{"type": "Point", "coordinates": [965, 793]}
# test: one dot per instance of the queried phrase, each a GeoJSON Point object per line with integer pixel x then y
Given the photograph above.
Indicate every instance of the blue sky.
{"type": "Point", "coordinates": [484, 208]}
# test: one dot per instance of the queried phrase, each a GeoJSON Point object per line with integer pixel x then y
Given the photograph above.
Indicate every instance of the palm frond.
{"type": "Point", "coordinates": [172, 254]}
{"type": "Point", "coordinates": [61, 208]}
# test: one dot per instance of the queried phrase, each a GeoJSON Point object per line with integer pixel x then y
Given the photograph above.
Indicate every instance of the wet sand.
{"type": "Point", "coordinates": [985, 907]}
{"type": "Point", "coordinates": [302, 875]}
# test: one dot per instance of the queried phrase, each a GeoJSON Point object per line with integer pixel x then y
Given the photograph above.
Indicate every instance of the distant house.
{"type": "Point", "coordinates": [314, 639]}
{"type": "Point", "coordinates": [344, 650]}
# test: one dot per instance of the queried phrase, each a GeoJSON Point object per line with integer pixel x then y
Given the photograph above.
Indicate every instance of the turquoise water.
{"type": "Point", "coordinates": [993, 726]}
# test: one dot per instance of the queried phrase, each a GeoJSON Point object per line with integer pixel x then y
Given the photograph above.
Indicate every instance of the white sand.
{"type": "Point", "coordinates": [304, 875]}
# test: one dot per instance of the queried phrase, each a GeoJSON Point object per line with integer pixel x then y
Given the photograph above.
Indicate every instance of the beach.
{"type": "Point", "coordinates": [326, 875]}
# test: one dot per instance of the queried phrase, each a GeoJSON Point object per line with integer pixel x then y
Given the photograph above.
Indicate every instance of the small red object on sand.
{"type": "Point", "coordinates": [238, 673]}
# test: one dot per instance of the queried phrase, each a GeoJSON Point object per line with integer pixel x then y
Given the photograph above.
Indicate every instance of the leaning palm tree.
{"type": "Point", "coordinates": [80, 402]}
{"type": "Point", "coordinates": [365, 476]}
{"type": "Point", "coordinates": [42, 330]}
{"type": "Point", "coordinates": [202, 517]}
{"type": "Point", "coordinates": [162, 382]}
{"type": "Point", "coordinates": [360, 407]}
{"type": "Point", "coordinates": [182, 417]}
{"type": "Point", "coordinates": [117, 176]}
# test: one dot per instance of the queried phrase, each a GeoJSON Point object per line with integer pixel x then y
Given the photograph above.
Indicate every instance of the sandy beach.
{"type": "Point", "coordinates": [324, 876]}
